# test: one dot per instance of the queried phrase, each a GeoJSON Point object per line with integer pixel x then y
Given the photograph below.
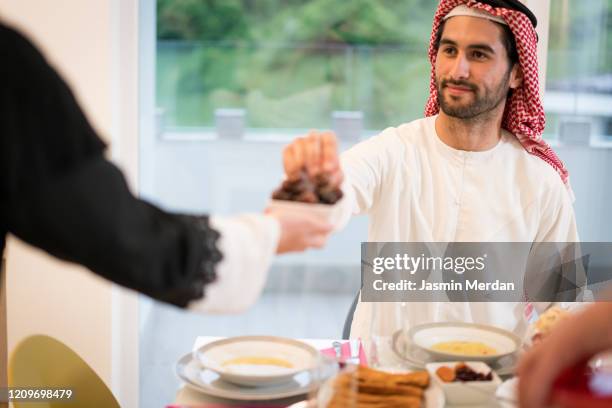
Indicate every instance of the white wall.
{"type": "Point", "coordinates": [45, 295]}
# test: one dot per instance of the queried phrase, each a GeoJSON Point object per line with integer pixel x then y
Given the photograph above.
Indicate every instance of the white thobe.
{"type": "Point", "coordinates": [415, 188]}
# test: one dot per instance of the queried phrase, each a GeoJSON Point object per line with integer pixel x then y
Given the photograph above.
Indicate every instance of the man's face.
{"type": "Point", "coordinates": [472, 67]}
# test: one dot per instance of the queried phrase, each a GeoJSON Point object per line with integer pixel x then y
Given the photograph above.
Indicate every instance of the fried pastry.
{"type": "Point", "coordinates": [368, 388]}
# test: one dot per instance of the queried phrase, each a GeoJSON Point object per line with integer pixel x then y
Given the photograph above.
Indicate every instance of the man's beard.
{"type": "Point", "coordinates": [484, 101]}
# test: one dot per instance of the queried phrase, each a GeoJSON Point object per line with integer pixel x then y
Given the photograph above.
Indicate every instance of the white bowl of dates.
{"type": "Point", "coordinates": [465, 383]}
{"type": "Point", "coordinates": [306, 195]}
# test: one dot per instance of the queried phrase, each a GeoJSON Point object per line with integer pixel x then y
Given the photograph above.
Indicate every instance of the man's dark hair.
{"type": "Point", "coordinates": [507, 39]}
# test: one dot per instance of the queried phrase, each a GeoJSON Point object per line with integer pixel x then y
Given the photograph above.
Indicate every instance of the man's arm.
{"type": "Point", "coordinates": [359, 171]}
{"type": "Point", "coordinates": [366, 165]}
{"type": "Point", "coordinates": [557, 217]}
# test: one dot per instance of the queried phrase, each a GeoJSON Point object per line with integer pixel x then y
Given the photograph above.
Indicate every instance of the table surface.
{"type": "Point", "coordinates": [386, 359]}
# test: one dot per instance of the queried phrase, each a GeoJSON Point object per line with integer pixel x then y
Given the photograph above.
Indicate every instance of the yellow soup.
{"type": "Point", "coordinates": [469, 348]}
{"type": "Point", "coordinates": [269, 361]}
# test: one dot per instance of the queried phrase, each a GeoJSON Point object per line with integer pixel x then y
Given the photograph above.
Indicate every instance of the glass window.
{"type": "Point", "coordinates": [292, 64]}
{"type": "Point", "coordinates": [578, 98]}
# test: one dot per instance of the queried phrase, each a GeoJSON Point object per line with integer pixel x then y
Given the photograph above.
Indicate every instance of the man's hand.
{"type": "Point", "coordinates": [299, 231]}
{"type": "Point", "coordinates": [573, 340]}
{"type": "Point", "coordinates": [317, 153]}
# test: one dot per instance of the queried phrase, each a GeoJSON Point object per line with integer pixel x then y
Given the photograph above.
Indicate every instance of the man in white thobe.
{"type": "Point", "coordinates": [474, 170]}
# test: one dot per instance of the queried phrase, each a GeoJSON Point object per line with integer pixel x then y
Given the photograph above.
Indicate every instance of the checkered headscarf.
{"type": "Point", "coordinates": [524, 113]}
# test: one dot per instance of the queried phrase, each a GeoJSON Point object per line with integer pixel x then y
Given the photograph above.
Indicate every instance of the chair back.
{"type": "Point", "coordinates": [42, 362]}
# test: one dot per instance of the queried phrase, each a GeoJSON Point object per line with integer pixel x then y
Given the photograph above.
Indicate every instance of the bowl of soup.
{"type": "Point", "coordinates": [464, 341]}
{"type": "Point", "coordinates": [257, 360]}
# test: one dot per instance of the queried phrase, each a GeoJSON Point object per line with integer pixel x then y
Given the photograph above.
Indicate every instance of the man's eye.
{"type": "Point", "coordinates": [449, 51]}
{"type": "Point", "coordinates": [479, 55]}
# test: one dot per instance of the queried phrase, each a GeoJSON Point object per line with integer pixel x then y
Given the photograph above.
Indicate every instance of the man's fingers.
{"type": "Point", "coordinates": [316, 152]}
{"type": "Point", "coordinates": [336, 178]}
{"type": "Point", "coordinates": [313, 153]}
{"type": "Point", "coordinates": [329, 148]}
{"type": "Point", "coordinates": [299, 152]}
{"type": "Point", "coordinates": [289, 162]}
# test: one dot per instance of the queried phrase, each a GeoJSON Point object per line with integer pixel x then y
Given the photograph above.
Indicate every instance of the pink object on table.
{"type": "Point", "coordinates": [582, 386]}
{"type": "Point", "coordinates": [215, 405]}
{"type": "Point", "coordinates": [346, 353]}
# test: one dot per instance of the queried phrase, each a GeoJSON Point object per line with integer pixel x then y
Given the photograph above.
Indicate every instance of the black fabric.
{"type": "Point", "coordinates": [59, 193]}
{"type": "Point", "coordinates": [513, 5]}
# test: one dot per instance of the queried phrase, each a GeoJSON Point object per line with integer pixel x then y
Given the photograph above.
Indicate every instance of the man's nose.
{"type": "Point", "coordinates": [460, 68]}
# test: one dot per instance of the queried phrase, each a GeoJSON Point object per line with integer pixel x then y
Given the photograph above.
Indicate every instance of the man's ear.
{"type": "Point", "coordinates": [516, 76]}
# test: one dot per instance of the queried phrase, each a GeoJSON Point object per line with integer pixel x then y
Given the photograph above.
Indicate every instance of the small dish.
{"type": "Point", "coordinates": [329, 213]}
{"type": "Point", "coordinates": [466, 392]}
{"type": "Point", "coordinates": [427, 336]}
{"type": "Point", "coordinates": [257, 360]}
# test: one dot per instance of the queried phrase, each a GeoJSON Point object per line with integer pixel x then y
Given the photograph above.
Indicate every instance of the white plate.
{"type": "Point", "coordinates": [417, 357]}
{"type": "Point", "coordinates": [301, 404]}
{"type": "Point", "coordinates": [427, 335]}
{"type": "Point", "coordinates": [434, 396]}
{"type": "Point", "coordinates": [208, 382]}
{"type": "Point", "coordinates": [218, 355]}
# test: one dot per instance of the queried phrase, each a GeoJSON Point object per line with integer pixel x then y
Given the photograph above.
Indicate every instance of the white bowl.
{"type": "Point", "coordinates": [325, 212]}
{"type": "Point", "coordinates": [427, 335]}
{"type": "Point", "coordinates": [466, 392]}
{"type": "Point", "coordinates": [257, 360]}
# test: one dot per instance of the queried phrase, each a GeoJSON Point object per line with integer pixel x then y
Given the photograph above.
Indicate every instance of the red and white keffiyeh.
{"type": "Point", "coordinates": [524, 113]}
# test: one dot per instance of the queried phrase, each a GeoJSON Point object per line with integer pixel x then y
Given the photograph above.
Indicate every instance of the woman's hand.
{"type": "Point", "coordinates": [298, 231]}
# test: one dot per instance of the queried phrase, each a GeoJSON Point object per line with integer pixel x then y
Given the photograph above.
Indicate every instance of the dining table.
{"type": "Point", "coordinates": [379, 354]}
